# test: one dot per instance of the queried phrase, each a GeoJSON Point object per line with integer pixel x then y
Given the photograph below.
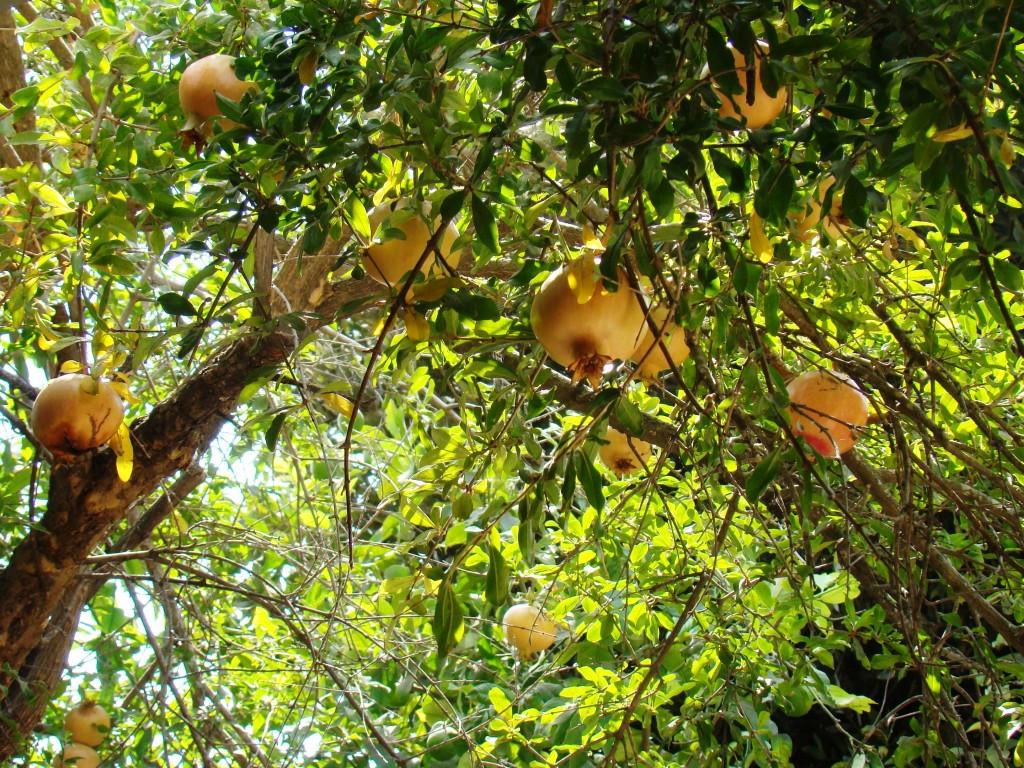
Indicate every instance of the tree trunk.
{"type": "Point", "coordinates": [12, 78]}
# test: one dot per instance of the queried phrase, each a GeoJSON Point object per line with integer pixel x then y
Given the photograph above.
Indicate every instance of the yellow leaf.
{"type": "Point", "coordinates": [121, 444]}
{"type": "Point", "coordinates": [1007, 152]}
{"type": "Point", "coordinates": [382, 326]}
{"type": "Point", "coordinates": [759, 243]}
{"type": "Point", "coordinates": [120, 385]}
{"type": "Point", "coordinates": [307, 67]}
{"type": "Point", "coordinates": [416, 326]}
{"type": "Point", "coordinates": [952, 134]}
{"type": "Point", "coordinates": [49, 197]}
{"type": "Point", "coordinates": [70, 366]}
{"type": "Point", "coordinates": [591, 240]}
{"type": "Point", "coordinates": [179, 523]}
{"type": "Point", "coordinates": [262, 622]}
{"type": "Point", "coordinates": [101, 343]}
{"type": "Point", "coordinates": [909, 234]}
{"type": "Point", "coordinates": [336, 402]}
{"type": "Point", "coordinates": [888, 246]}
{"type": "Point", "coordinates": [583, 276]}
{"type": "Point", "coordinates": [432, 290]}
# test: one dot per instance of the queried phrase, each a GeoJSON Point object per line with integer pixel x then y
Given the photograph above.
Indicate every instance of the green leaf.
{"type": "Point", "coordinates": [496, 585]}
{"type": "Point", "coordinates": [775, 190]}
{"type": "Point", "coordinates": [851, 111]}
{"type": "Point", "coordinates": [631, 417]}
{"type": "Point", "coordinates": [527, 539]}
{"type": "Point", "coordinates": [846, 700]}
{"type": "Point", "coordinates": [274, 430]}
{"type": "Point", "coordinates": [898, 159]}
{"type": "Point", "coordinates": [855, 199]}
{"type": "Point", "coordinates": [447, 619]}
{"type": "Point", "coordinates": [177, 305]}
{"type": "Point", "coordinates": [535, 72]}
{"type": "Point", "coordinates": [483, 161]}
{"type": "Point", "coordinates": [720, 60]}
{"type": "Point", "coordinates": [485, 224]}
{"type": "Point", "coordinates": [762, 475]}
{"type": "Point", "coordinates": [772, 318]}
{"type": "Point", "coordinates": [604, 89]}
{"type": "Point", "coordinates": [1008, 275]}
{"type": "Point", "coordinates": [313, 238]}
{"type": "Point", "coordinates": [803, 45]}
{"type": "Point", "coordinates": [451, 206]}
{"type": "Point", "coordinates": [590, 479]}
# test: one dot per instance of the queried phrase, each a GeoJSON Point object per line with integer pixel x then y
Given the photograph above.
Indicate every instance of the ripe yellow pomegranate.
{"type": "Point", "coordinates": [200, 81]}
{"type": "Point", "coordinates": [528, 629]}
{"type": "Point", "coordinates": [649, 355]}
{"type": "Point", "coordinates": [622, 454]}
{"type": "Point", "coordinates": [583, 326]}
{"type": "Point", "coordinates": [835, 222]}
{"type": "Point", "coordinates": [87, 723]}
{"type": "Point", "coordinates": [825, 409]}
{"type": "Point", "coordinates": [75, 413]}
{"type": "Point", "coordinates": [754, 108]}
{"type": "Point", "coordinates": [389, 261]}
{"type": "Point", "coordinates": [78, 756]}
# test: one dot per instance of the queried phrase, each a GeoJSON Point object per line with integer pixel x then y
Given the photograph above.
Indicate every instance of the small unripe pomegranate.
{"type": "Point", "coordinates": [75, 413]}
{"type": "Point", "coordinates": [622, 454]}
{"type": "Point", "coordinates": [389, 261]}
{"type": "Point", "coordinates": [585, 336]}
{"type": "Point", "coordinates": [87, 723]}
{"type": "Point", "coordinates": [199, 83]}
{"type": "Point", "coordinates": [752, 106]}
{"type": "Point", "coordinates": [825, 408]}
{"type": "Point", "coordinates": [528, 629]}
{"type": "Point", "coordinates": [78, 756]}
{"type": "Point", "coordinates": [650, 356]}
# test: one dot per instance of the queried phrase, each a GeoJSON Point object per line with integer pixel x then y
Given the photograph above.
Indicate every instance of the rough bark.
{"type": "Point", "coordinates": [12, 78]}
{"type": "Point", "coordinates": [40, 589]}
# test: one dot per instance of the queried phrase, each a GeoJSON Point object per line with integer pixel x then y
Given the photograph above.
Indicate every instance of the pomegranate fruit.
{"type": "Point", "coordinates": [622, 454]}
{"type": "Point", "coordinates": [583, 326]}
{"type": "Point", "coordinates": [826, 408]}
{"type": "Point", "coordinates": [199, 83]}
{"type": "Point", "coordinates": [835, 222]}
{"type": "Point", "coordinates": [650, 356]}
{"type": "Point", "coordinates": [752, 106]}
{"type": "Point", "coordinates": [390, 260]}
{"type": "Point", "coordinates": [528, 629]}
{"type": "Point", "coordinates": [78, 756]}
{"type": "Point", "coordinates": [75, 413]}
{"type": "Point", "coordinates": [87, 723]}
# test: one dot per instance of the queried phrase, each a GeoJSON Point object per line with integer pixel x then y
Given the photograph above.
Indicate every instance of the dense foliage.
{"type": "Point", "coordinates": [324, 582]}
